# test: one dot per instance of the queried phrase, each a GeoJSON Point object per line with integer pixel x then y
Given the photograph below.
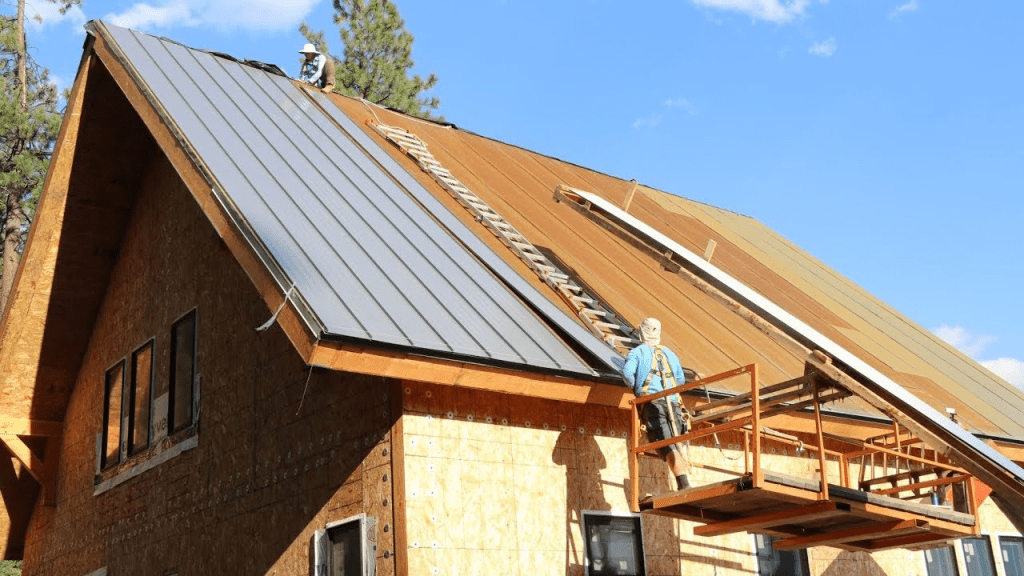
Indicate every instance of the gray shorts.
{"type": "Point", "coordinates": [659, 427]}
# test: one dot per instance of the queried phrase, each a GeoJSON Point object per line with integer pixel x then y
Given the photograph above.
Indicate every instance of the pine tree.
{"type": "Point", "coordinates": [29, 122]}
{"type": "Point", "coordinates": [378, 57]}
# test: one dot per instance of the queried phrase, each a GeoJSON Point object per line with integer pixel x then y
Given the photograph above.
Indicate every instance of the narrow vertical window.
{"type": "Point", "coordinates": [141, 393]}
{"type": "Point", "coordinates": [978, 557]}
{"type": "Point", "coordinates": [940, 562]}
{"type": "Point", "coordinates": [113, 392]}
{"type": "Point", "coordinates": [1012, 550]}
{"type": "Point", "coordinates": [183, 371]}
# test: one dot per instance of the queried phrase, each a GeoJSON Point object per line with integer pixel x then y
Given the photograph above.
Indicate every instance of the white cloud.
{"type": "Point", "coordinates": [647, 121]}
{"type": "Point", "coordinates": [42, 14]}
{"type": "Point", "coordinates": [779, 11]}
{"type": "Point", "coordinates": [1008, 369]}
{"type": "Point", "coordinates": [682, 103]}
{"type": "Point", "coordinates": [974, 345]}
{"type": "Point", "coordinates": [222, 14]}
{"type": "Point", "coordinates": [825, 48]}
{"type": "Point", "coordinates": [903, 9]}
{"type": "Point", "coordinates": [146, 17]}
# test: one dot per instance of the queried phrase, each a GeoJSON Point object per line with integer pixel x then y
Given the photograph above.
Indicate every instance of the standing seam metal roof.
{"type": "Point", "coordinates": [369, 260]}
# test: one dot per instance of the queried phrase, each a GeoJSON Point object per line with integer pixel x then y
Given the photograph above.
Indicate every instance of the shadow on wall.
{"type": "Point", "coordinates": [18, 489]}
{"type": "Point", "coordinates": [853, 564]}
{"type": "Point", "coordinates": [583, 459]}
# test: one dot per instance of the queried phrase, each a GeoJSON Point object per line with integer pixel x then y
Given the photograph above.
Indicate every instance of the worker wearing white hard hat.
{"type": "Point", "coordinates": [317, 68]}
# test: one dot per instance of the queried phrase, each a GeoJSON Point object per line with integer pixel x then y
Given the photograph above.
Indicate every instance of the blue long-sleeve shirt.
{"type": "Point", "coordinates": [313, 69]}
{"type": "Point", "coordinates": [638, 366]}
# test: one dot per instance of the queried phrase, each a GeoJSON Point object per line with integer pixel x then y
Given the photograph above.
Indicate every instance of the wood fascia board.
{"type": "Point", "coordinates": [989, 472]}
{"type": "Point", "coordinates": [200, 182]}
{"type": "Point", "coordinates": [27, 427]}
{"type": "Point", "coordinates": [400, 365]}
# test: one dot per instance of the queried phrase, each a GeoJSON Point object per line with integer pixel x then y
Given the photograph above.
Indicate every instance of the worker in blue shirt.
{"type": "Point", "coordinates": [649, 369]}
{"type": "Point", "coordinates": [317, 68]}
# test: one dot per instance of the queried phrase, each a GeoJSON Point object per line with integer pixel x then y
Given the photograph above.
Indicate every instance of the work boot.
{"type": "Point", "coordinates": [682, 482]}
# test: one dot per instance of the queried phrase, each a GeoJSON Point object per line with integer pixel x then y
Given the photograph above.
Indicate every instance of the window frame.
{"type": "Point", "coordinates": [172, 384]}
{"type": "Point", "coordinates": [323, 558]}
{"type": "Point", "coordinates": [105, 462]}
{"type": "Point", "coordinates": [638, 534]}
{"type": "Point", "coordinates": [132, 449]}
{"type": "Point", "coordinates": [800, 553]}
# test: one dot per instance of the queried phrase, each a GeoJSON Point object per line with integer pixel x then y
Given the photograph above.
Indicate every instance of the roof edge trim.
{"type": "Point", "coordinates": [97, 28]}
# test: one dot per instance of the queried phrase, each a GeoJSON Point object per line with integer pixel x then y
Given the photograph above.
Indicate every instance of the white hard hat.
{"type": "Point", "coordinates": [309, 49]}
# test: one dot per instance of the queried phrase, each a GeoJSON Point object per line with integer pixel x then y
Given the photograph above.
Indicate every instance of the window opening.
{"type": "Point", "coordinates": [774, 562]}
{"type": "Point", "coordinates": [141, 395]}
{"type": "Point", "coordinates": [113, 395]}
{"type": "Point", "coordinates": [614, 544]}
{"type": "Point", "coordinates": [346, 548]}
{"type": "Point", "coordinates": [978, 557]}
{"type": "Point", "coordinates": [940, 562]}
{"type": "Point", "coordinates": [1011, 548]}
{"type": "Point", "coordinates": [183, 371]}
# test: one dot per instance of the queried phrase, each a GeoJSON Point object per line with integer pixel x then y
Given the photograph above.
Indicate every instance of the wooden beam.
{"type": "Point", "coordinates": [796, 515]}
{"type": "Point", "coordinates": [886, 529]}
{"type": "Point", "coordinates": [629, 195]}
{"type": "Point", "coordinates": [26, 427]}
{"type": "Point", "coordinates": [944, 442]}
{"type": "Point", "coordinates": [17, 447]}
{"type": "Point", "coordinates": [401, 365]}
{"type": "Point", "coordinates": [914, 541]}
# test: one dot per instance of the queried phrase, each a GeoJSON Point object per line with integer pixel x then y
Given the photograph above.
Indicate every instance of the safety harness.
{"type": "Point", "coordinates": [660, 366]}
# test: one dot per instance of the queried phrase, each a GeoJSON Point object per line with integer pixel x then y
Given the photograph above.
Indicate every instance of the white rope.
{"type": "Point", "coordinates": [270, 322]}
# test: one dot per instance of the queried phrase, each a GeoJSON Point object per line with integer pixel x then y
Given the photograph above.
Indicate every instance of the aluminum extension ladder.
{"type": "Point", "coordinates": [604, 323]}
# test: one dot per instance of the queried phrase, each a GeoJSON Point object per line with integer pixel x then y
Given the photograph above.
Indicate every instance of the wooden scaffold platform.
{"type": "Point", "coordinates": [898, 500]}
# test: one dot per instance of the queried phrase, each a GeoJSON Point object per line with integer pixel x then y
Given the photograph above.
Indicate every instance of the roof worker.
{"type": "Point", "coordinates": [317, 69]}
{"type": "Point", "coordinates": [651, 368]}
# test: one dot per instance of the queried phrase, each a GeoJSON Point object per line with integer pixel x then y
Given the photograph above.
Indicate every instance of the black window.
{"type": "Point", "coordinates": [183, 372]}
{"type": "Point", "coordinates": [978, 557]}
{"type": "Point", "coordinates": [940, 562]}
{"type": "Point", "coordinates": [1012, 550]}
{"type": "Point", "coordinates": [614, 544]}
{"type": "Point", "coordinates": [141, 392]}
{"type": "Point", "coordinates": [773, 562]}
{"type": "Point", "coordinates": [113, 396]}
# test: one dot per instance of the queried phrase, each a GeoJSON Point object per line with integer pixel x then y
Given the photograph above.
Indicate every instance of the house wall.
{"type": "Point", "coordinates": [282, 449]}
{"type": "Point", "coordinates": [499, 482]}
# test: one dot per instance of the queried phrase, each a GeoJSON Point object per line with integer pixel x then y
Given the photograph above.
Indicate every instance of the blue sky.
{"type": "Point", "coordinates": [884, 137]}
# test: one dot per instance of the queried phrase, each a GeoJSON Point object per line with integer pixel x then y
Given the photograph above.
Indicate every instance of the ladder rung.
{"type": "Point", "coordinates": [581, 299]}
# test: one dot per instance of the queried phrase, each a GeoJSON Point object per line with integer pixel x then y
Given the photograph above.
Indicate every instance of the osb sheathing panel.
{"type": "Point", "coordinates": [71, 250]}
{"type": "Point", "coordinates": [497, 482]}
{"type": "Point", "coordinates": [282, 448]}
{"type": "Point", "coordinates": [519, 184]}
{"type": "Point", "coordinates": [856, 320]}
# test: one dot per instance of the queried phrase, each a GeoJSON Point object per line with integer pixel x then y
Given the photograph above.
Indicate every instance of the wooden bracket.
{"type": "Point", "coordinates": [45, 470]}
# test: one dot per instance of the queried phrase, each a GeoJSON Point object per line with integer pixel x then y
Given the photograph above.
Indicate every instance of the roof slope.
{"type": "Point", "coordinates": [366, 260]}
{"type": "Point", "coordinates": [519, 184]}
